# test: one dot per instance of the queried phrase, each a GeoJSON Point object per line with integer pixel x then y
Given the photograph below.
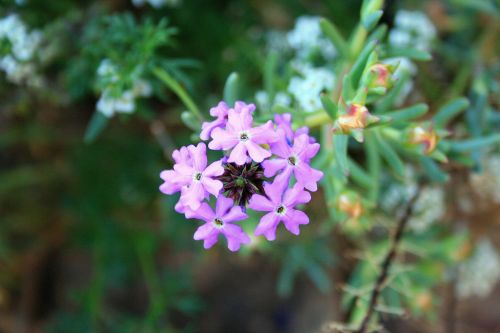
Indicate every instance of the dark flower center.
{"type": "Point", "coordinates": [243, 136]}
{"type": "Point", "coordinates": [292, 160]}
{"type": "Point", "coordinates": [197, 176]}
{"type": "Point", "coordinates": [281, 210]}
{"type": "Point", "coordinates": [218, 222]}
{"type": "Point", "coordinates": [240, 182]}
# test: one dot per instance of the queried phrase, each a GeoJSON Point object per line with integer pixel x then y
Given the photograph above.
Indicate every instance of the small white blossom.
{"type": "Point", "coordinates": [412, 29]}
{"type": "Point", "coordinates": [108, 104]}
{"type": "Point", "coordinates": [306, 89]}
{"type": "Point", "coordinates": [479, 274]}
{"type": "Point", "coordinates": [487, 183]}
{"type": "Point", "coordinates": [307, 38]}
{"type": "Point", "coordinates": [157, 3]}
{"type": "Point", "coordinates": [281, 98]}
{"type": "Point", "coordinates": [18, 63]}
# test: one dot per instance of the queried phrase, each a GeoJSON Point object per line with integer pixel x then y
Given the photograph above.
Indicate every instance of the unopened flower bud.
{"type": "Point", "coordinates": [425, 136]}
{"type": "Point", "coordinates": [350, 204]}
{"type": "Point", "coordinates": [380, 76]}
{"type": "Point", "coordinates": [354, 121]}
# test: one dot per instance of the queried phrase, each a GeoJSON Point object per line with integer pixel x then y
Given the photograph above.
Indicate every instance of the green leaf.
{"type": "Point", "coordinates": [433, 171]}
{"type": "Point", "coordinates": [408, 113]}
{"type": "Point", "coordinates": [472, 144]}
{"type": "Point", "coordinates": [450, 110]}
{"type": "Point", "coordinates": [97, 123]}
{"type": "Point", "coordinates": [370, 21]}
{"type": "Point", "coordinates": [331, 31]}
{"type": "Point", "coordinates": [318, 275]}
{"type": "Point", "coordinates": [358, 175]}
{"type": "Point", "coordinates": [190, 121]}
{"type": "Point", "coordinates": [378, 34]}
{"type": "Point", "coordinates": [340, 144]}
{"type": "Point", "coordinates": [387, 102]}
{"type": "Point", "coordinates": [231, 88]}
{"type": "Point", "coordinates": [373, 163]}
{"type": "Point", "coordinates": [390, 156]}
{"type": "Point", "coordinates": [269, 74]}
{"type": "Point", "coordinates": [409, 53]}
{"type": "Point", "coordinates": [329, 105]}
{"type": "Point", "coordinates": [170, 82]}
{"type": "Point", "coordinates": [360, 63]}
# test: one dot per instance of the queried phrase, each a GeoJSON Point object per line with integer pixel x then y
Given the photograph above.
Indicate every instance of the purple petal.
{"type": "Point", "coordinates": [169, 187]}
{"type": "Point", "coordinates": [193, 195]}
{"type": "Point", "coordinates": [199, 156]}
{"type": "Point", "coordinates": [181, 156]}
{"type": "Point", "coordinates": [256, 152]}
{"type": "Point", "coordinates": [212, 186]}
{"type": "Point", "coordinates": [307, 176]}
{"type": "Point", "coordinates": [205, 231]}
{"type": "Point", "coordinates": [204, 213]}
{"type": "Point", "coordinates": [275, 190]}
{"type": "Point", "coordinates": [235, 236]}
{"type": "Point", "coordinates": [281, 147]}
{"type": "Point", "coordinates": [222, 139]}
{"type": "Point", "coordinates": [260, 203]}
{"type": "Point", "coordinates": [208, 127]}
{"type": "Point", "coordinates": [267, 226]}
{"type": "Point", "coordinates": [263, 134]}
{"type": "Point", "coordinates": [214, 169]}
{"type": "Point", "coordinates": [240, 106]}
{"type": "Point", "coordinates": [293, 219]}
{"type": "Point", "coordinates": [185, 171]}
{"type": "Point", "coordinates": [271, 167]}
{"type": "Point", "coordinates": [222, 205]}
{"type": "Point", "coordinates": [284, 122]}
{"type": "Point", "coordinates": [239, 121]}
{"type": "Point", "coordinates": [209, 242]}
{"type": "Point", "coordinates": [238, 154]}
{"type": "Point", "coordinates": [296, 196]}
{"type": "Point", "coordinates": [220, 111]}
{"type": "Point", "coordinates": [235, 214]}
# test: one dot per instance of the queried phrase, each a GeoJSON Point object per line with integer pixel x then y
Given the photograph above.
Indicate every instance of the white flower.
{"type": "Point", "coordinates": [306, 89]}
{"type": "Point", "coordinates": [18, 64]}
{"type": "Point", "coordinates": [487, 183]}
{"type": "Point", "coordinates": [157, 3]}
{"type": "Point", "coordinates": [306, 38]}
{"type": "Point", "coordinates": [478, 275]}
{"type": "Point", "coordinates": [429, 208]}
{"type": "Point", "coordinates": [281, 98]}
{"type": "Point", "coordinates": [412, 29]}
{"type": "Point", "coordinates": [277, 41]}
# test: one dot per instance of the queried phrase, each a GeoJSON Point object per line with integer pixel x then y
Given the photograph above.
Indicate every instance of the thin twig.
{"type": "Point", "coordinates": [386, 264]}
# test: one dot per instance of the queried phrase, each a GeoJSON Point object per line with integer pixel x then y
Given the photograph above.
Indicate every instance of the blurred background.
{"type": "Point", "coordinates": [89, 244]}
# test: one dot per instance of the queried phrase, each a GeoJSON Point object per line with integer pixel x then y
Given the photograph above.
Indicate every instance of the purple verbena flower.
{"type": "Point", "coordinates": [192, 177]}
{"type": "Point", "coordinates": [220, 222]}
{"type": "Point", "coordinates": [220, 112]}
{"type": "Point", "coordinates": [281, 207]}
{"type": "Point", "coordinates": [242, 138]}
{"type": "Point", "coordinates": [294, 159]}
{"type": "Point", "coordinates": [284, 122]}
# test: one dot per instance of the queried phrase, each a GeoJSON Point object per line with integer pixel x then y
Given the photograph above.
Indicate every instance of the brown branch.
{"type": "Point", "coordinates": [386, 264]}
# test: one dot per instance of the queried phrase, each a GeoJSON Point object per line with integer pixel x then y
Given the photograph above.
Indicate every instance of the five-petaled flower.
{"type": "Point", "coordinates": [281, 207]}
{"type": "Point", "coordinates": [192, 176]}
{"type": "Point", "coordinates": [242, 138]}
{"type": "Point", "coordinates": [220, 222]}
{"type": "Point", "coordinates": [294, 159]}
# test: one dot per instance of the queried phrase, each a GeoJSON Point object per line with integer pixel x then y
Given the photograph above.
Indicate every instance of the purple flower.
{"type": "Point", "coordinates": [284, 122]}
{"type": "Point", "coordinates": [242, 138]}
{"type": "Point", "coordinates": [294, 159]}
{"type": "Point", "coordinates": [221, 113]}
{"type": "Point", "coordinates": [220, 222]}
{"type": "Point", "coordinates": [281, 208]}
{"type": "Point", "coordinates": [192, 177]}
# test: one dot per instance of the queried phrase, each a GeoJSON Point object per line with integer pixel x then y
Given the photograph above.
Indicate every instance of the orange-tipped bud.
{"type": "Point", "coordinates": [427, 137]}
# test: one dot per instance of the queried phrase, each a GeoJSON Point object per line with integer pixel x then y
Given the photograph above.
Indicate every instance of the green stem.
{"type": "Point", "coordinates": [178, 90]}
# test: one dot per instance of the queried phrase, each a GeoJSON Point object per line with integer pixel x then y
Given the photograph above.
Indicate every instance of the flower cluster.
{"type": "Point", "coordinates": [480, 273]}
{"type": "Point", "coordinates": [412, 29]}
{"type": "Point", "coordinates": [307, 88]}
{"type": "Point", "coordinates": [17, 50]}
{"type": "Point", "coordinates": [306, 38]}
{"type": "Point", "coordinates": [265, 168]}
{"type": "Point", "coordinates": [114, 100]}
{"type": "Point", "coordinates": [157, 3]}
